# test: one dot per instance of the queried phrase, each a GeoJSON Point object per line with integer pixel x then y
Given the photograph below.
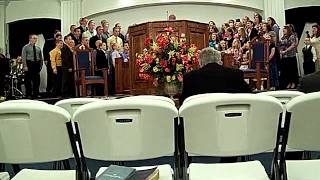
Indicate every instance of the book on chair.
{"type": "Point", "coordinates": [115, 172]}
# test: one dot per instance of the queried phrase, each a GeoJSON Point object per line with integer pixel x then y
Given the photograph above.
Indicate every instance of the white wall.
{"type": "Point", "coordinates": [290, 4]}
{"type": "Point", "coordinates": [91, 7]}
{"type": "Point", "coordinates": [27, 9]}
{"type": "Point", "coordinates": [199, 13]}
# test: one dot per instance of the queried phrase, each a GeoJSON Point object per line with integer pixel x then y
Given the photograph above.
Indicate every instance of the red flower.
{"type": "Point", "coordinates": [147, 42]}
{"type": "Point", "coordinates": [163, 63]}
{"type": "Point", "coordinates": [162, 41]}
{"type": "Point", "coordinates": [148, 58]}
{"type": "Point", "coordinates": [183, 46]}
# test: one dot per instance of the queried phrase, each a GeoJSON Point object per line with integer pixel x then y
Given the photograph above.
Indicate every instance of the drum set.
{"type": "Point", "coordinates": [14, 81]}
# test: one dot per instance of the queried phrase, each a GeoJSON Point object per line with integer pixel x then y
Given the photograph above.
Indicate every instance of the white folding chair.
{"type": "Point", "coordinates": [230, 125]}
{"type": "Point", "coordinates": [72, 104]}
{"type": "Point", "coordinates": [284, 96]}
{"type": "Point", "coordinates": [127, 129]}
{"type": "Point", "coordinates": [303, 124]}
{"type": "Point", "coordinates": [33, 133]}
{"type": "Point", "coordinates": [24, 101]}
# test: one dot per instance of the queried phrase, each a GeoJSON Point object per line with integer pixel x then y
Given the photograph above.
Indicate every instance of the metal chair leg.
{"type": "Point", "coordinates": [16, 168]}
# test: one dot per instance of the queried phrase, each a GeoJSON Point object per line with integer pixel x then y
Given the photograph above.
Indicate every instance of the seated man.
{"type": "Point", "coordinates": [310, 83]}
{"type": "Point", "coordinates": [212, 77]}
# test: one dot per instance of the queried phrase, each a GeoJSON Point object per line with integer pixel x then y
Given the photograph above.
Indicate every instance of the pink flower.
{"type": "Point", "coordinates": [167, 70]}
{"type": "Point", "coordinates": [168, 29]}
{"type": "Point", "coordinates": [155, 82]}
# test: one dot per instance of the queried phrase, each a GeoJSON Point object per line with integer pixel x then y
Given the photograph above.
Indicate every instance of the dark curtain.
{"type": "Point", "coordinates": [19, 32]}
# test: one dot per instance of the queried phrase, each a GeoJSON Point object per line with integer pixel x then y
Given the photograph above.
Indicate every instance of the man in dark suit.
{"type": "Point", "coordinates": [48, 46]}
{"type": "Point", "coordinates": [4, 70]}
{"type": "Point", "coordinates": [310, 83]}
{"type": "Point", "coordinates": [251, 31]}
{"type": "Point", "coordinates": [68, 85]}
{"type": "Point", "coordinates": [212, 77]}
{"type": "Point", "coordinates": [97, 37]}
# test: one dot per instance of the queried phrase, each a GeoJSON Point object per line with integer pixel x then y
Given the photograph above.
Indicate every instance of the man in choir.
{"type": "Point", "coordinates": [251, 31]}
{"type": "Point", "coordinates": [125, 53]}
{"type": "Point", "coordinates": [32, 63]}
{"type": "Point", "coordinates": [72, 28]}
{"type": "Point", "coordinates": [56, 65]}
{"type": "Point", "coordinates": [91, 30]}
{"type": "Point", "coordinates": [84, 44]}
{"type": "Point", "coordinates": [309, 57]}
{"type": "Point", "coordinates": [99, 36]}
{"type": "Point", "coordinates": [4, 70]}
{"type": "Point", "coordinates": [83, 24]}
{"type": "Point", "coordinates": [105, 25]}
{"type": "Point", "coordinates": [48, 46]}
{"type": "Point", "coordinates": [120, 33]}
{"type": "Point", "coordinates": [77, 36]}
{"type": "Point", "coordinates": [67, 68]}
{"type": "Point", "coordinates": [115, 39]}
{"type": "Point", "coordinates": [212, 77]}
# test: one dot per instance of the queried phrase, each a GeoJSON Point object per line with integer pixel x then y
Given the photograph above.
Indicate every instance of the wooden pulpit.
{"type": "Point", "coordinates": [195, 32]}
{"type": "Point", "coordinates": [122, 74]}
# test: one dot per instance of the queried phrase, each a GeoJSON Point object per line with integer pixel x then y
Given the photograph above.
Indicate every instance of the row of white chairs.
{"type": "Point", "coordinates": [142, 127]}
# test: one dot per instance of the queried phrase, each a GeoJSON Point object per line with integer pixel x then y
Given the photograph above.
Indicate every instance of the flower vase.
{"type": "Point", "coordinates": [170, 89]}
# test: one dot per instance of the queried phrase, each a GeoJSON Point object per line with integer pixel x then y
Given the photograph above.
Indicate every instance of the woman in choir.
{"type": "Point", "coordinates": [222, 46]}
{"type": "Point", "coordinates": [289, 70]}
{"type": "Point", "coordinates": [242, 36]}
{"type": "Point", "coordinates": [315, 42]}
{"type": "Point", "coordinates": [267, 30]}
{"type": "Point", "coordinates": [237, 52]}
{"type": "Point", "coordinates": [257, 20]}
{"type": "Point", "coordinates": [274, 26]}
{"type": "Point", "coordinates": [229, 39]}
{"type": "Point", "coordinates": [272, 61]}
{"type": "Point", "coordinates": [213, 40]}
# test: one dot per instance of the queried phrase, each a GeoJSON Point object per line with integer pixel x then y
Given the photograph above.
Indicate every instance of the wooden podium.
{"type": "Point", "coordinates": [196, 33]}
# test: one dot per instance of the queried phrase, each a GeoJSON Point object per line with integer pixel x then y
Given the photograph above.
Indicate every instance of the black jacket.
{"type": "Point", "coordinates": [213, 78]}
{"type": "Point", "coordinates": [310, 83]}
{"type": "Point", "coordinates": [66, 57]}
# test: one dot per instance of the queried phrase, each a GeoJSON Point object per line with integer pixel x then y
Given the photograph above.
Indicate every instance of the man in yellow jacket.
{"type": "Point", "coordinates": [56, 64]}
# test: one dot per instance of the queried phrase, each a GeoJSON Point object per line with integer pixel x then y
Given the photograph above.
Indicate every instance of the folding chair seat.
{"type": "Point", "coordinates": [302, 129]}
{"type": "Point", "coordinates": [127, 129]}
{"type": "Point", "coordinates": [4, 176]}
{"type": "Point", "coordinates": [30, 134]}
{"type": "Point", "coordinates": [225, 125]}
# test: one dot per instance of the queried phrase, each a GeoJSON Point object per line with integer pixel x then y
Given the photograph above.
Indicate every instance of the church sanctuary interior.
{"type": "Point", "coordinates": [159, 90]}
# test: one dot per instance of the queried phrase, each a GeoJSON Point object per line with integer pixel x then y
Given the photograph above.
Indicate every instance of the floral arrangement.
{"type": "Point", "coordinates": [166, 58]}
